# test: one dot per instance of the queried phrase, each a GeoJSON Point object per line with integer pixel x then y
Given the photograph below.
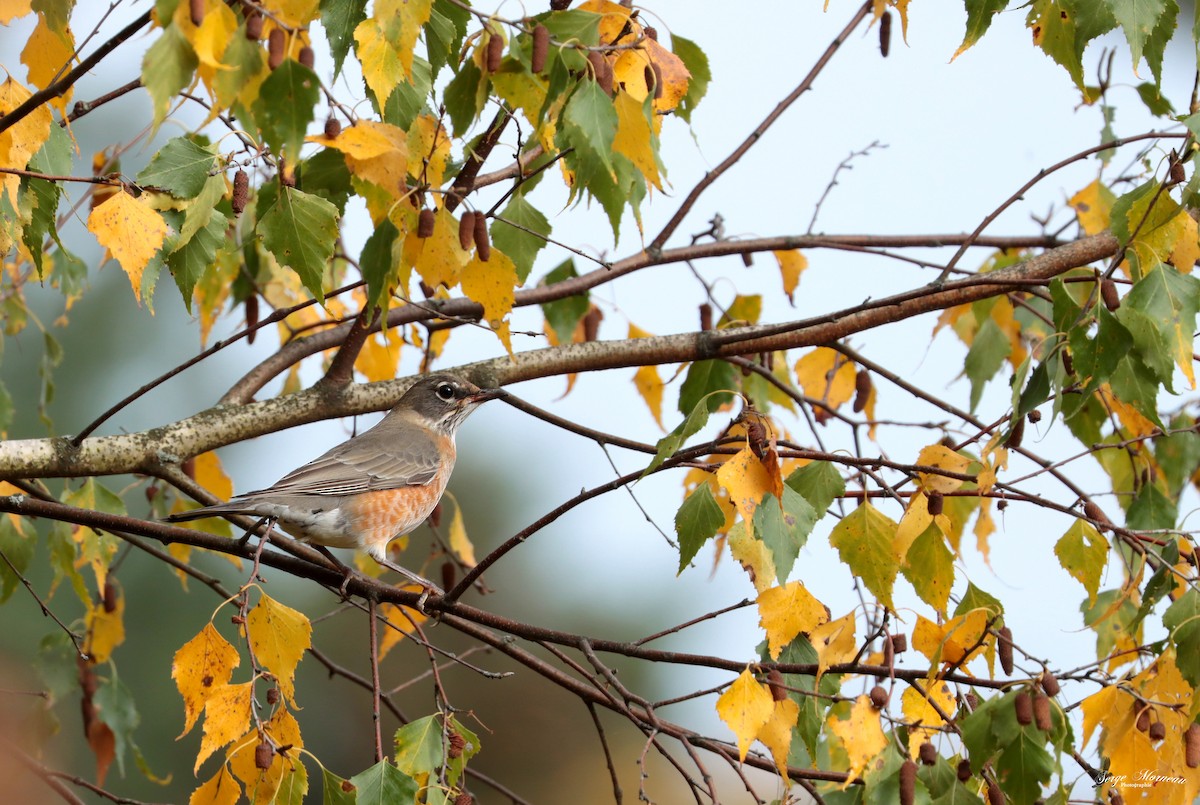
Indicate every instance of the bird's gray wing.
{"type": "Point", "coordinates": [363, 465]}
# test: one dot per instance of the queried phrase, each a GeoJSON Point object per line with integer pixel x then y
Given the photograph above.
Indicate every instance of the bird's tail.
{"type": "Point", "coordinates": [218, 510]}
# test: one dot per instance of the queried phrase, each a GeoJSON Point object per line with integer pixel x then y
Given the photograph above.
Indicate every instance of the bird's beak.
{"type": "Point", "coordinates": [483, 395]}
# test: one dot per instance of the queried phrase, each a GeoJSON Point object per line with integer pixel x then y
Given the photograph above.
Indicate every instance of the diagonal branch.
{"type": "Point", "coordinates": [148, 451]}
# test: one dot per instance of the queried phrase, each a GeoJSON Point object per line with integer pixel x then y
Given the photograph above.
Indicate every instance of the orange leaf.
{"type": "Point", "coordinates": [202, 665]}
{"type": "Point", "coordinates": [745, 707]}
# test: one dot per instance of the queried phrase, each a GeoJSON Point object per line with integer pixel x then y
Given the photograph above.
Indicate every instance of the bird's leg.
{"type": "Point", "coordinates": [346, 571]}
{"type": "Point", "coordinates": [252, 530]}
{"type": "Point", "coordinates": [427, 587]}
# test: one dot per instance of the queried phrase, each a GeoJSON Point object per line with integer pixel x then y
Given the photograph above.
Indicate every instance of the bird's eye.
{"type": "Point", "coordinates": [445, 391]}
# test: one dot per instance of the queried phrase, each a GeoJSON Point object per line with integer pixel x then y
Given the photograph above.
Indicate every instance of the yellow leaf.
{"type": "Point", "coordinates": [914, 522]}
{"type": "Point", "coordinates": [751, 553]}
{"type": "Point", "coordinates": [745, 707]}
{"type": "Point", "coordinates": [635, 139]}
{"type": "Point", "coordinates": [861, 734]}
{"type": "Point", "coordinates": [131, 231]}
{"type": "Point", "coordinates": [1135, 425]}
{"type": "Point", "coordinates": [923, 718]}
{"type": "Point", "coordinates": [381, 65]}
{"type": "Point", "coordinates": [1093, 206]}
{"type": "Point", "coordinates": [460, 543]}
{"type": "Point", "coordinates": [491, 284]}
{"type": "Point", "coordinates": [226, 716]}
{"type": "Point", "coordinates": [441, 258]}
{"type": "Point", "coordinates": [629, 71]}
{"type": "Point", "coordinates": [402, 21]}
{"type": "Point", "coordinates": [776, 734]}
{"type": "Point", "coordinates": [262, 785]}
{"type": "Point", "coordinates": [211, 476]}
{"type": "Point", "coordinates": [827, 375]}
{"type": "Point", "coordinates": [785, 612]}
{"type": "Point", "coordinates": [202, 665]}
{"type": "Point", "coordinates": [380, 355]}
{"type": "Point", "coordinates": [746, 480]}
{"type": "Point", "coordinates": [428, 150]}
{"type": "Point", "coordinates": [943, 458]}
{"type": "Point", "coordinates": [48, 55]}
{"type": "Point", "coordinates": [834, 642]}
{"type": "Point", "coordinates": [105, 630]}
{"type": "Point", "coordinates": [22, 140]}
{"type": "Point", "coordinates": [401, 621]}
{"type": "Point", "coordinates": [293, 13]}
{"type": "Point", "coordinates": [362, 141]}
{"type": "Point", "coordinates": [221, 789]}
{"type": "Point", "coordinates": [950, 642]}
{"type": "Point", "coordinates": [1187, 247]}
{"type": "Point", "coordinates": [791, 265]}
{"type": "Point", "coordinates": [388, 169]}
{"type": "Point", "coordinates": [279, 636]}
{"type": "Point", "coordinates": [213, 35]}
{"type": "Point", "coordinates": [650, 386]}
{"type": "Point", "coordinates": [1097, 709]}
{"type": "Point", "coordinates": [12, 9]}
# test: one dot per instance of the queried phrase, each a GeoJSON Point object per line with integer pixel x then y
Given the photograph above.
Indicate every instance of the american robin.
{"type": "Point", "coordinates": [375, 487]}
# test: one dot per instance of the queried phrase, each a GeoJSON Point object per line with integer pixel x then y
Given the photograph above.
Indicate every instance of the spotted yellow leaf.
{"type": "Point", "coordinates": [920, 712]}
{"type": "Point", "coordinates": [834, 642]}
{"type": "Point", "coordinates": [746, 480]}
{"type": "Point", "coordinates": [226, 716]}
{"type": "Point", "coordinates": [201, 666]}
{"type": "Point", "coordinates": [826, 375]}
{"type": "Point", "coordinates": [942, 458]}
{"type": "Point", "coordinates": [23, 139]}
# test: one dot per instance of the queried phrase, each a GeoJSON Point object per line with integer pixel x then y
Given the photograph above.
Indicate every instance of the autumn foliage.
{"type": "Point", "coordinates": [454, 141]}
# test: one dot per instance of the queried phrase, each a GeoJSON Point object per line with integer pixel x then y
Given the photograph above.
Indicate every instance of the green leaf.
{"type": "Point", "coordinates": [784, 529]}
{"type": "Point", "coordinates": [6, 410]}
{"type": "Point", "coordinates": [563, 315]}
{"type": "Point", "coordinates": [573, 25]}
{"type": "Point", "coordinates": [181, 167]}
{"type": "Point", "coordinates": [929, 567]}
{"type": "Point", "coordinates": [1142, 220]}
{"type": "Point", "coordinates": [520, 232]}
{"type": "Point", "coordinates": [325, 174]}
{"type": "Point", "coordinates": [975, 598]}
{"type": "Point", "coordinates": [668, 444]}
{"type": "Point", "coordinates": [285, 105]}
{"type": "Point", "coordinates": [1150, 510]}
{"type": "Point", "coordinates": [1182, 618]}
{"type": "Point", "coordinates": [300, 231]}
{"type": "Point", "coordinates": [1136, 385]}
{"type": "Point", "coordinates": [819, 483]}
{"type": "Point", "coordinates": [167, 68]}
{"type": "Point", "coordinates": [115, 707]}
{"type": "Point", "coordinates": [189, 262]}
{"type": "Point", "coordinates": [1154, 100]}
{"type": "Point", "coordinates": [464, 97]}
{"type": "Point", "coordinates": [340, 18]}
{"type": "Point", "coordinates": [1169, 301]}
{"type": "Point", "coordinates": [863, 540]}
{"type": "Point", "coordinates": [376, 261]}
{"type": "Point", "coordinates": [241, 63]}
{"type": "Point", "coordinates": [703, 379]}
{"type": "Point", "coordinates": [444, 32]}
{"type": "Point", "coordinates": [696, 62]}
{"type": "Point", "coordinates": [383, 784]}
{"type": "Point", "coordinates": [985, 357]}
{"type": "Point", "coordinates": [1083, 552]}
{"type": "Point", "coordinates": [1147, 25]}
{"type": "Point", "coordinates": [1097, 358]}
{"type": "Point", "coordinates": [39, 206]}
{"type": "Point", "coordinates": [293, 785]}
{"type": "Point", "coordinates": [1024, 765]}
{"type": "Point", "coordinates": [979, 19]}
{"type": "Point", "coordinates": [18, 549]}
{"type": "Point", "coordinates": [1178, 454]}
{"type": "Point", "coordinates": [1108, 623]}
{"type": "Point", "coordinates": [419, 746]}
{"type": "Point", "coordinates": [333, 791]}
{"type": "Point", "coordinates": [589, 124]}
{"type": "Point", "coordinates": [696, 522]}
